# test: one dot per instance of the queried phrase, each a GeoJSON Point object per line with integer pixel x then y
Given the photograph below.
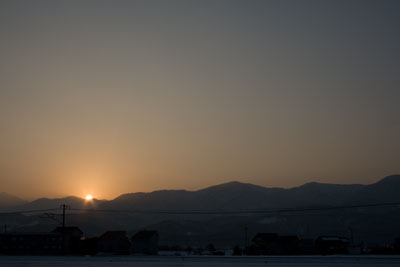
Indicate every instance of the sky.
{"type": "Point", "coordinates": [110, 97]}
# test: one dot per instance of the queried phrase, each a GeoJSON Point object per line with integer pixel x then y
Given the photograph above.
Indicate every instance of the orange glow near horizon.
{"type": "Point", "coordinates": [89, 197]}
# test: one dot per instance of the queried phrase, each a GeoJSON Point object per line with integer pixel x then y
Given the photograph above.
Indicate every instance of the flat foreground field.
{"type": "Point", "coordinates": [295, 261]}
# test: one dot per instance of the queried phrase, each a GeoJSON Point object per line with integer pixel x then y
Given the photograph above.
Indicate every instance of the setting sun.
{"type": "Point", "coordinates": [88, 197]}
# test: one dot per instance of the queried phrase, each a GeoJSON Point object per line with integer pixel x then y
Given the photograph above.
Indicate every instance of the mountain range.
{"type": "Point", "coordinates": [373, 224]}
{"type": "Point", "coordinates": [229, 196]}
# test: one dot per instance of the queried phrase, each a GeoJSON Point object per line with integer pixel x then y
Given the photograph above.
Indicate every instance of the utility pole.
{"type": "Point", "coordinates": [64, 207]}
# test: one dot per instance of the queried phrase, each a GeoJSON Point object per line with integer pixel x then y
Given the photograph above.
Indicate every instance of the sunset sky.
{"type": "Point", "coordinates": [111, 97]}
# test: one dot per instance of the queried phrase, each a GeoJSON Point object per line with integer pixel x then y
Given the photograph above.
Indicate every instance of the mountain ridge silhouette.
{"type": "Point", "coordinates": [235, 195]}
{"type": "Point", "coordinates": [375, 224]}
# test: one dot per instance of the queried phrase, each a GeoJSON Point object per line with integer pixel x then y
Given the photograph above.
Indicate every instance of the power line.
{"type": "Point", "coordinates": [26, 211]}
{"type": "Point", "coordinates": [287, 210]}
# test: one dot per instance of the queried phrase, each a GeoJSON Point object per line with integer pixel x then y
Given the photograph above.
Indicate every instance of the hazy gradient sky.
{"type": "Point", "coordinates": [109, 97]}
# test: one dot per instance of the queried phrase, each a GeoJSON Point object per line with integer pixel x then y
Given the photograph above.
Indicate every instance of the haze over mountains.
{"type": "Point", "coordinates": [376, 224]}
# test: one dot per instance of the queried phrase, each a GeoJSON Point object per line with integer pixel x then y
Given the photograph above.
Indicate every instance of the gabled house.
{"type": "Point", "coordinates": [114, 242]}
{"type": "Point", "coordinates": [145, 242]}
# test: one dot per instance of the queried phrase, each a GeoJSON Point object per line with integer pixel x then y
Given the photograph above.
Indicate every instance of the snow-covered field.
{"type": "Point", "coordinates": [327, 261]}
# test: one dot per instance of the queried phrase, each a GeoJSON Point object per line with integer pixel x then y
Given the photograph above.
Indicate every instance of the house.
{"type": "Point", "coordinates": [114, 242]}
{"type": "Point", "coordinates": [62, 240]}
{"type": "Point", "coordinates": [31, 243]}
{"type": "Point", "coordinates": [145, 242]}
{"type": "Point", "coordinates": [331, 245]}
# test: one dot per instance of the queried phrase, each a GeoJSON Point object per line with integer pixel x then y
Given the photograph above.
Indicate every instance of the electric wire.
{"type": "Point", "coordinates": [148, 211]}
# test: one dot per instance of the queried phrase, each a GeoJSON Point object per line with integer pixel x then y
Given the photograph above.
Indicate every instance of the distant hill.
{"type": "Point", "coordinates": [8, 201]}
{"type": "Point", "coordinates": [372, 225]}
{"type": "Point", "coordinates": [231, 196]}
{"type": "Point", "coordinates": [236, 195]}
{"type": "Point", "coordinates": [55, 203]}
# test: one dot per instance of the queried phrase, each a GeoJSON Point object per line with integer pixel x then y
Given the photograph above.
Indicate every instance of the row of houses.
{"type": "Point", "coordinates": [70, 240]}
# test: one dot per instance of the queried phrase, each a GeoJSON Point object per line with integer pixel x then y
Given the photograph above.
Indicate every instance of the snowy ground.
{"type": "Point", "coordinates": [313, 261]}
